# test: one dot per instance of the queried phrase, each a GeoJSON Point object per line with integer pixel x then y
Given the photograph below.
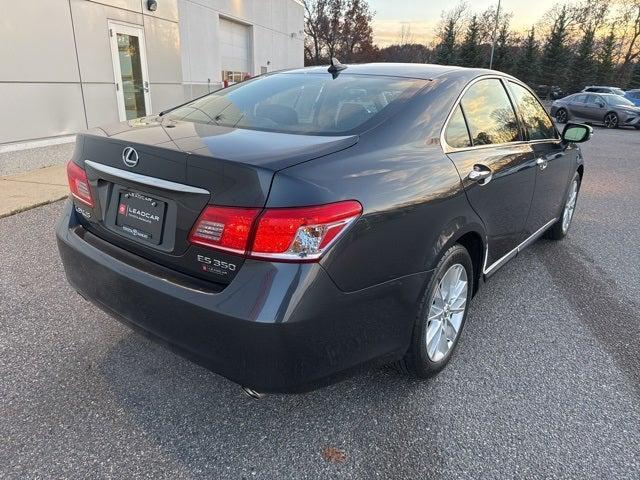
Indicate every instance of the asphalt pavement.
{"type": "Point", "coordinates": [545, 383]}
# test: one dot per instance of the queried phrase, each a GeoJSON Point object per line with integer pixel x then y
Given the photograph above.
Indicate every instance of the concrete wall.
{"type": "Point", "coordinates": [56, 69]}
{"type": "Point", "coordinates": [56, 74]}
{"type": "Point", "coordinates": [276, 29]}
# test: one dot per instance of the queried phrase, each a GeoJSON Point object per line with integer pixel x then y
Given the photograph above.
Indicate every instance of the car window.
{"type": "Point", "coordinates": [457, 135]}
{"type": "Point", "coordinates": [617, 91]}
{"type": "Point", "coordinates": [312, 104]}
{"type": "Point", "coordinates": [580, 98]}
{"type": "Point", "coordinates": [534, 117]}
{"type": "Point", "coordinates": [618, 101]}
{"type": "Point", "coordinates": [489, 113]}
{"type": "Point", "coordinates": [592, 99]}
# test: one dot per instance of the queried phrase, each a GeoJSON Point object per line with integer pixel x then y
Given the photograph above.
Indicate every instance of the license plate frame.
{"type": "Point", "coordinates": [140, 217]}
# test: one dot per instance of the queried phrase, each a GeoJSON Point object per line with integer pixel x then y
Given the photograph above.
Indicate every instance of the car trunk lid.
{"type": "Point", "coordinates": [151, 179]}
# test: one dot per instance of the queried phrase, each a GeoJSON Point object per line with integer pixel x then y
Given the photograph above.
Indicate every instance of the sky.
{"type": "Point", "coordinates": [423, 15]}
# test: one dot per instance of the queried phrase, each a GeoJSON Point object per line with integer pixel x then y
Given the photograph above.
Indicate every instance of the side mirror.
{"type": "Point", "coordinates": [576, 133]}
{"type": "Point", "coordinates": [600, 104]}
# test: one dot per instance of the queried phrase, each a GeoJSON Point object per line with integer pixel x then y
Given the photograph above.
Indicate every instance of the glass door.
{"type": "Point", "coordinates": [130, 70]}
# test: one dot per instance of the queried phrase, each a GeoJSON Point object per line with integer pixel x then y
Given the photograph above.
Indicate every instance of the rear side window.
{"type": "Point", "coordinates": [457, 135]}
{"type": "Point", "coordinates": [534, 117]}
{"type": "Point", "coordinates": [580, 98]}
{"type": "Point", "coordinates": [313, 104]}
{"type": "Point", "coordinates": [489, 113]}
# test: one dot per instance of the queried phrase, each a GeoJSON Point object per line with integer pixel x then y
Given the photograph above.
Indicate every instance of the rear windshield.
{"type": "Point", "coordinates": [314, 104]}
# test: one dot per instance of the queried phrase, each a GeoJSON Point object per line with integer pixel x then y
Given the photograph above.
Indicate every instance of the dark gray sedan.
{"type": "Point", "coordinates": [612, 111]}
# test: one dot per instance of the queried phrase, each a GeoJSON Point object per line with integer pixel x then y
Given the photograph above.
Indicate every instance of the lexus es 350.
{"type": "Point", "coordinates": [291, 229]}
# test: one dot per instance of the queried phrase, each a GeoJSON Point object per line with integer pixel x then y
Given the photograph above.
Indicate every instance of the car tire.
{"type": "Point", "coordinates": [428, 354]}
{"type": "Point", "coordinates": [562, 115]}
{"type": "Point", "coordinates": [611, 120]}
{"type": "Point", "coordinates": [560, 229]}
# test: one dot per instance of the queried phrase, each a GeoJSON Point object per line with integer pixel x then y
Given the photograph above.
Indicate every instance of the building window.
{"type": "Point", "coordinates": [234, 77]}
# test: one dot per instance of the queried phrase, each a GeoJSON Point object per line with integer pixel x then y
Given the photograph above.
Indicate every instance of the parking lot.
{"type": "Point", "coordinates": [545, 384]}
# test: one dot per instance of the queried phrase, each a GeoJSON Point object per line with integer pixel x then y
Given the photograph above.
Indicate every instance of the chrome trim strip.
{"type": "Point", "coordinates": [508, 256]}
{"type": "Point", "coordinates": [145, 180]}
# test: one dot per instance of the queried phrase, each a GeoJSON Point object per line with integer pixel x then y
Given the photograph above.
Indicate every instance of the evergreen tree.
{"type": "Point", "coordinates": [605, 68]}
{"type": "Point", "coordinates": [503, 59]}
{"type": "Point", "coordinates": [583, 69]}
{"type": "Point", "coordinates": [470, 51]}
{"type": "Point", "coordinates": [554, 64]}
{"type": "Point", "coordinates": [446, 51]}
{"type": "Point", "coordinates": [529, 59]}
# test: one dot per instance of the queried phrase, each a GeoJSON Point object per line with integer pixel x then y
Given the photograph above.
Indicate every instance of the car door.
{"type": "Point", "coordinates": [578, 106]}
{"type": "Point", "coordinates": [553, 162]}
{"type": "Point", "coordinates": [483, 139]}
{"type": "Point", "coordinates": [595, 108]}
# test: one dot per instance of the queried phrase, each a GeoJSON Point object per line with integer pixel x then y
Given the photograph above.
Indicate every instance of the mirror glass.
{"type": "Point", "coordinates": [576, 133]}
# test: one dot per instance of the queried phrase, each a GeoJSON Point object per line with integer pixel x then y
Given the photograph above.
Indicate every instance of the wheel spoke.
{"type": "Point", "coordinates": [432, 346]}
{"type": "Point", "coordinates": [443, 344]}
{"type": "Point", "coordinates": [433, 327]}
{"type": "Point", "coordinates": [456, 321]}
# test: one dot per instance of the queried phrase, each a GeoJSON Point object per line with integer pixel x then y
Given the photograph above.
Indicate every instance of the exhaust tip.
{"type": "Point", "coordinates": [250, 392]}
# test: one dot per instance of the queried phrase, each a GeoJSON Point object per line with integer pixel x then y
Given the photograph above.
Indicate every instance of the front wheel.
{"type": "Point", "coordinates": [611, 120]}
{"type": "Point", "coordinates": [441, 315]}
{"type": "Point", "coordinates": [560, 229]}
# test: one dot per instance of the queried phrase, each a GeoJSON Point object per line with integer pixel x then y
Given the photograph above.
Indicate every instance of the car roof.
{"type": "Point", "coordinates": [421, 71]}
{"type": "Point", "coordinates": [601, 86]}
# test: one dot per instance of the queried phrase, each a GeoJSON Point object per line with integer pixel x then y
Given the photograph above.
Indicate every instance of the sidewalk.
{"type": "Point", "coordinates": [34, 177]}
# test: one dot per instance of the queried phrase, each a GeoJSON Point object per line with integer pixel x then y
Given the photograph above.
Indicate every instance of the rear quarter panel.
{"type": "Point", "coordinates": [411, 193]}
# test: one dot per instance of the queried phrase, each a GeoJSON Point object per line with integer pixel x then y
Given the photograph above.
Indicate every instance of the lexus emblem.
{"type": "Point", "coordinates": [130, 157]}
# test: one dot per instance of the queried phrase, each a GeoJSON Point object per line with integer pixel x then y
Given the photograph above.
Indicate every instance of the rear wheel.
{"type": "Point", "coordinates": [561, 115]}
{"type": "Point", "coordinates": [560, 229]}
{"type": "Point", "coordinates": [441, 314]}
{"type": "Point", "coordinates": [611, 120]}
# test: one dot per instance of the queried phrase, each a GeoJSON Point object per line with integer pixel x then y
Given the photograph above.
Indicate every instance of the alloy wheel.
{"type": "Point", "coordinates": [561, 116]}
{"type": "Point", "coordinates": [570, 207]}
{"type": "Point", "coordinates": [446, 313]}
{"type": "Point", "coordinates": [611, 120]}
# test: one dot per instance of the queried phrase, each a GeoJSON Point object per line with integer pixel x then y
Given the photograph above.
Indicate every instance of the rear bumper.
{"type": "Point", "coordinates": [277, 327]}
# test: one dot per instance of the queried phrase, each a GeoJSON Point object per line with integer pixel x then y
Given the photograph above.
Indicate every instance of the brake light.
{"type": "Point", "coordinates": [79, 184]}
{"type": "Point", "coordinates": [290, 234]}
{"type": "Point", "coordinates": [224, 228]}
{"type": "Point", "coordinates": [301, 233]}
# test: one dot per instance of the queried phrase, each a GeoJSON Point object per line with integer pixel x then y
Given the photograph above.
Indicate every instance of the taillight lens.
{"type": "Point", "coordinates": [291, 234]}
{"type": "Point", "coordinates": [301, 233]}
{"type": "Point", "coordinates": [79, 184]}
{"type": "Point", "coordinates": [225, 228]}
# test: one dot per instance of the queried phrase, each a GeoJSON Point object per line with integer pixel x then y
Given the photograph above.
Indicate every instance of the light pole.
{"type": "Point", "coordinates": [493, 39]}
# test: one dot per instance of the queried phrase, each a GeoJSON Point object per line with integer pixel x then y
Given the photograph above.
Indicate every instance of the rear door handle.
{"type": "Point", "coordinates": [480, 174]}
{"type": "Point", "coordinates": [542, 163]}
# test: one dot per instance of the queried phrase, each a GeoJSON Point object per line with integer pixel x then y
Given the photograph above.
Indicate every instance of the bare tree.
{"type": "Point", "coordinates": [315, 14]}
{"type": "Point", "coordinates": [628, 22]}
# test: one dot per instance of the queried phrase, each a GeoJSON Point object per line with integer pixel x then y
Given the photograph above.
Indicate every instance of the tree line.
{"type": "Point", "coordinates": [574, 44]}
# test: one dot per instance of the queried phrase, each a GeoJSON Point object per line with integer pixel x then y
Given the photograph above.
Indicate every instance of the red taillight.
{"type": "Point", "coordinates": [226, 228]}
{"type": "Point", "coordinates": [292, 234]}
{"type": "Point", "coordinates": [78, 183]}
{"type": "Point", "coordinates": [301, 233]}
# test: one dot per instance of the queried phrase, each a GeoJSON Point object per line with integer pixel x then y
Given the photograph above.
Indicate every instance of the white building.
{"type": "Point", "coordinates": [68, 65]}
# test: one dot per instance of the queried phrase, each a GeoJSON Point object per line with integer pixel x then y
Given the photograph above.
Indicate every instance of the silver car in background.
{"type": "Point", "coordinates": [610, 110]}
